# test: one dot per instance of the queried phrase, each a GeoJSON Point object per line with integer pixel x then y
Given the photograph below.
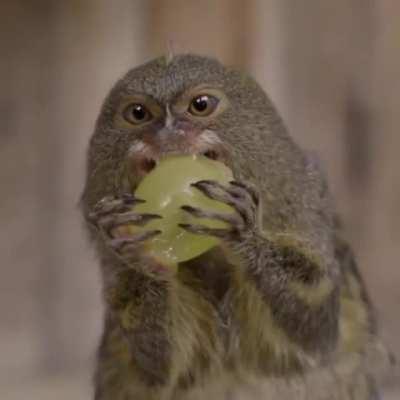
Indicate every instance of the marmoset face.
{"type": "Point", "coordinates": [180, 125]}
{"type": "Point", "coordinates": [187, 106]}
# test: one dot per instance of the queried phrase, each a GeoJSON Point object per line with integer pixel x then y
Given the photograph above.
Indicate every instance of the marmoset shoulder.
{"type": "Point", "coordinates": [278, 309]}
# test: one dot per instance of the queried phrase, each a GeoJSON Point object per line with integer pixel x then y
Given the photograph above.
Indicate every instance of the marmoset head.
{"type": "Point", "coordinates": [186, 105]}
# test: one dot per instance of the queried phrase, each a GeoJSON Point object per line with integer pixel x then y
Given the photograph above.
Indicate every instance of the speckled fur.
{"type": "Point", "coordinates": [282, 313]}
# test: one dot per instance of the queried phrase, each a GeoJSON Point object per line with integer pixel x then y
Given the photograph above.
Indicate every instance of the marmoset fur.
{"type": "Point", "coordinates": [278, 310]}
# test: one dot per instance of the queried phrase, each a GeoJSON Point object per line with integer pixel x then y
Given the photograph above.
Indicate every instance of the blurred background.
{"type": "Point", "coordinates": [331, 68]}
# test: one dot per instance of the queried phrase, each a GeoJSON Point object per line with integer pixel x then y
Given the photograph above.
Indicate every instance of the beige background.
{"type": "Point", "coordinates": [331, 67]}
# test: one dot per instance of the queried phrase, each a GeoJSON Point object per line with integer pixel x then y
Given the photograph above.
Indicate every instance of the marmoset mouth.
{"type": "Point", "coordinates": [147, 164]}
{"type": "Point", "coordinates": [212, 154]}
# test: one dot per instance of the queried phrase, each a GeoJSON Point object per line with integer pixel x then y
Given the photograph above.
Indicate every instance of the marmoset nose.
{"type": "Point", "coordinates": [168, 132]}
{"type": "Point", "coordinates": [176, 137]}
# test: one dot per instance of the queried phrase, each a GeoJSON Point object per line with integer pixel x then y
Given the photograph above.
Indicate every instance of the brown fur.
{"type": "Point", "coordinates": [282, 313]}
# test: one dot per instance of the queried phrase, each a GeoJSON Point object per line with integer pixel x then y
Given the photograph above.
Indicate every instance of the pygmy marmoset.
{"type": "Point", "coordinates": [278, 309]}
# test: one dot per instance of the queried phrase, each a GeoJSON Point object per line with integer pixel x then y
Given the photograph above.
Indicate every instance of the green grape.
{"type": "Point", "coordinates": [165, 189]}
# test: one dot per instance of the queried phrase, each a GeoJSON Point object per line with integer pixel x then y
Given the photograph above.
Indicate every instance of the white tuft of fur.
{"type": "Point", "coordinates": [137, 147]}
{"type": "Point", "coordinates": [208, 137]}
{"type": "Point", "coordinates": [169, 120]}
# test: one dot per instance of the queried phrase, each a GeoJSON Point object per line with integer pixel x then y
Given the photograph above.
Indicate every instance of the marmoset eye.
{"type": "Point", "coordinates": [137, 113]}
{"type": "Point", "coordinates": [203, 105]}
